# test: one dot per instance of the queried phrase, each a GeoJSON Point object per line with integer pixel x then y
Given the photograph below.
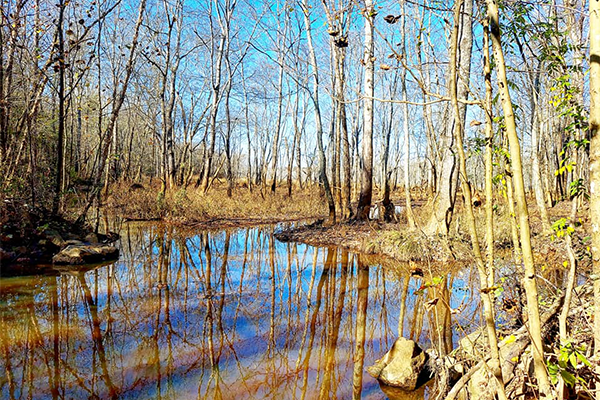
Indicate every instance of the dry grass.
{"type": "Point", "coordinates": [191, 206]}
{"type": "Point", "coordinates": [402, 244]}
{"type": "Point", "coordinates": [406, 245]}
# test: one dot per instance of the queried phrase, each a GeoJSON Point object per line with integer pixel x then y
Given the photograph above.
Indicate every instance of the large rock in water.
{"type": "Point", "coordinates": [77, 254]}
{"type": "Point", "coordinates": [401, 366]}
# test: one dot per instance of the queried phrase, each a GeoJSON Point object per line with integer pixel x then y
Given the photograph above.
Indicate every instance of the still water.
{"type": "Point", "coordinates": [230, 314]}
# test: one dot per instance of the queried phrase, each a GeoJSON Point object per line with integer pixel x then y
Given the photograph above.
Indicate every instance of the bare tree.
{"type": "Point", "coordinates": [530, 282]}
{"type": "Point", "coordinates": [445, 195]}
{"type": "Point", "coordinates": [366, 188]}
{"type": "Point", "coordinates": [314, 94]}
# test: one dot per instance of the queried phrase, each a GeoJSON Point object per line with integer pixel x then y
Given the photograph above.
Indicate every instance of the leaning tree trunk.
{"type": "Point", "coordinates": [530, 283]}
{"type": "Point", "coordinates": [484, 274]}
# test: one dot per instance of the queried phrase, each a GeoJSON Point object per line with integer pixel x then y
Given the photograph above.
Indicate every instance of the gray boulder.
{"type": "Point", "coordinates": [54, 237]}
{"type": "Point", "coordinates": [77, 254]}
{"type": "Point", "coordinates": [400, 367]}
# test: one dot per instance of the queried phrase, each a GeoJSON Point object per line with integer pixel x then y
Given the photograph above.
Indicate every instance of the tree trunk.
{"type": "Point", "coordinates": [530, 283]}
{"type": "Point", "coordinates": [410, 217]}
{"type": "Point", "coordinates": [61, 109]}
{"type": "Point", "coordinates": [318, 124]}
{"type": "Point", "coordinates": [366, 181]}
{"type": "Point", "coordinates": [484, 274]}
{"type": "Point", "coordinates": [216, 93]}
{"type": "Point", "coordinates": [445, 196]}
{"type": "Point", "coordinates": [279, 117]}
{"type": "Point", "coordinates": [387, 126]}
{"type": "Point", "coordinates": [536, 177]}
{"type": "Point", "coordinates": [594, 11]}
{"type": "Point", "coordinates": [409, 212]}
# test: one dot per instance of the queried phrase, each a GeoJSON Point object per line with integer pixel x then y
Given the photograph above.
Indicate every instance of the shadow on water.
{"type": "Point", "coordinates": [220, 315]}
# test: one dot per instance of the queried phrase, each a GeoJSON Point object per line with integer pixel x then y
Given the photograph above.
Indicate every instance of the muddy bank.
{"type": "Point", "coordinates": [391, 240]}
{"type": "Point", "coordinates": [395, 241]}
{"type": "Point", "coordinates": [242, 222]}
{"type": "Point", "coordinates": [33, 237]}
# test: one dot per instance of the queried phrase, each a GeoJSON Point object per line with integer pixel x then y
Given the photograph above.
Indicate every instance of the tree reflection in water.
{"type": "Point", "coordinates": [216, 315]}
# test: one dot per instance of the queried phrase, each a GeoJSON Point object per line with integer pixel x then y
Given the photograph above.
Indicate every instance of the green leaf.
{"type": "Point", "coordinates": [568, 377]}
{"type": "Point", "coordinates": [437, 280]}
{"type": "Point", "coordinates": [573, 360]}
{"type": "Point", "coordinates": [553, 372]}
{"type": "Point", "coordinates": [583, 359]}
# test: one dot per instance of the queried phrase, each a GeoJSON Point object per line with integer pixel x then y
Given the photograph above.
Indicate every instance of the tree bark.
{"type": "Point", "coordinates": [530, 283]}
{"type": "Point", "coordinates": [445, 196]}
{"type": "Point", "coordinates": [366, 181]}
{"type": "Point", "coordinates": [61, 109]}
{"type": "Point", "coordinates": [216, 71]}
{"type": "Point", "coordinates": [279, 109]}
{"type": "Point", "coordinates": [484, 274]}
{"type": "Point", "coordinates": [318, 124]}
{"type": "Point", "coordinates": [594, 11]}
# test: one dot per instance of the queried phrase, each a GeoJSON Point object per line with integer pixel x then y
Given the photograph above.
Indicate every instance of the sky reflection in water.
{"type": "Point", "coordinates": [228, 315]}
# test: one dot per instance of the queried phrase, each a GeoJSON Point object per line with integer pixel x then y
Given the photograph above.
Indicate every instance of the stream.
{"type": "Point", "coordinates": [230, 314]}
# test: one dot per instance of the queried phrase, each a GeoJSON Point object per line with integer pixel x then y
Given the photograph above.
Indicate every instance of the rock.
{"type": "Point", "coordinates": [85, 254]}
{"type": "Point", "coordinates": [400, 367]}
{"type": "Point", "coordinates": [111, 237]}
{"type": "Point", "coordinates": [474, 344]}
{"type": "Point", "coordinates": [71, 236]}
{"type": "Point", "coordinates": [92, 238]}
{"type": "Point", "coordinates": [482, 385]}
{"type": "Point", "coordinates": [394, 393]}
{"type": "Point", "coordinates": [74, 242]}
{"type": "Point", "coordinates": [95, 238]}
{"type": "Point", "coordinates": [454, 368]}
{"type": "Point", "coordinates": [54, 237]}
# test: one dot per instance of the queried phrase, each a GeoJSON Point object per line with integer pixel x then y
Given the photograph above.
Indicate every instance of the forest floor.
{"type": "Point", "coordinates": [191, 207]}
{"type": "Point", "coordinates": [394, 240]}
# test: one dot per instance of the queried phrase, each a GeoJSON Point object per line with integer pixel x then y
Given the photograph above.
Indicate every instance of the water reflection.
{"type": "Point", "coordinates": [221, 315]}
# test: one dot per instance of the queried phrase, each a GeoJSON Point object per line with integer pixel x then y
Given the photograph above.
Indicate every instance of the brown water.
{"type": "Point", "coordinates": [223, 315]}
